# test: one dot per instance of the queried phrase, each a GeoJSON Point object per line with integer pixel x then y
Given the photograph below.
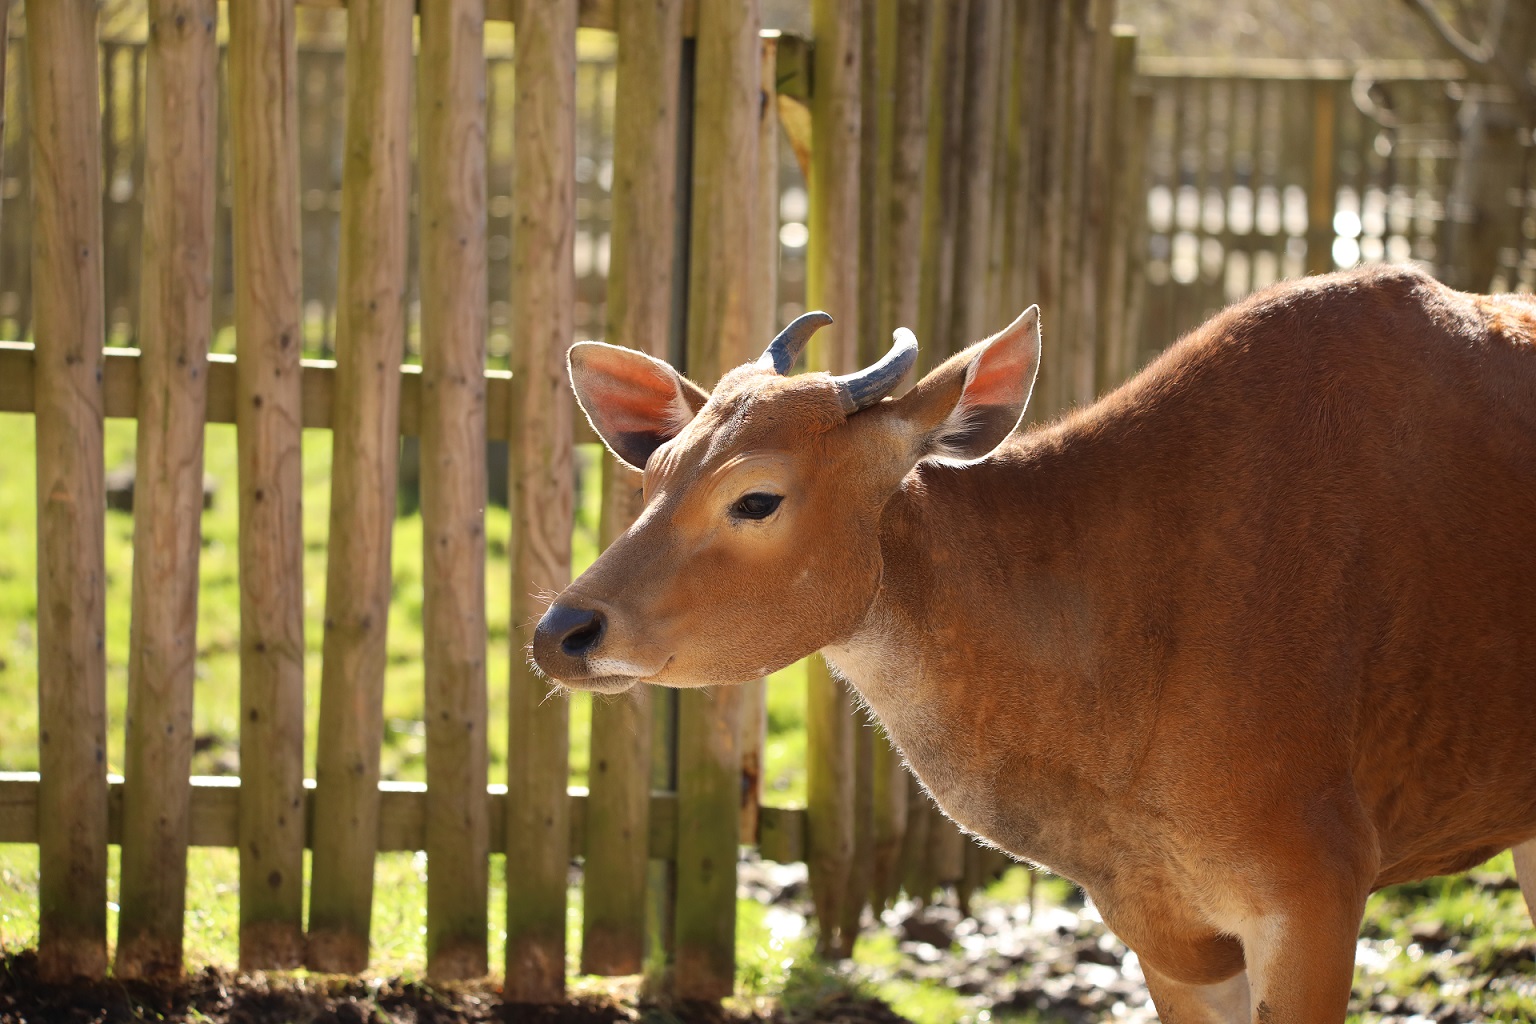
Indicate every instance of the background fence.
{"type": "Point", "coordinates": [1262, 170]}
{"type": "Point", "coordinates": [938, 165]}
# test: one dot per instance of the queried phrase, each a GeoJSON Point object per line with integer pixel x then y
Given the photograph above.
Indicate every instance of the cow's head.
{"type": "Point", "coordinates": [759, 540]}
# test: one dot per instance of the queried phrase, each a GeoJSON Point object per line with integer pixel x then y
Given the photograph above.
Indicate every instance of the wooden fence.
{"type": "Point", "coordinates": [963, 158]}
{"type": "Point", "coordinates": [1262, 170]}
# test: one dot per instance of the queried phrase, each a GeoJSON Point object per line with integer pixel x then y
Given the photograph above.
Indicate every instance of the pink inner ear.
{"type": "Point", "coordinates": [1002, 370]}
{"type": "Point", "coordinates": [630, 395]}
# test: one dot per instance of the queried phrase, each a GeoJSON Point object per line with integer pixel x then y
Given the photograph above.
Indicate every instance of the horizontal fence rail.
{"type": "Point", "coordinates": [403, 815]}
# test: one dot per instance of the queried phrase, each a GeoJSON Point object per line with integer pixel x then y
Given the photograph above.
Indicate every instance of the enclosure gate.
{"type": "Point", "coordinates": [951, 179]}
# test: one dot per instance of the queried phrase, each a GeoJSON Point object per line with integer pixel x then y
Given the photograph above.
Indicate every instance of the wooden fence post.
{"type": "Point", "coordinates": [370, 344]}
{"type": "Point", "coordinates": [898, 291]}
{"type": "Point", "coordinates": [639, 316]}
{"type": "Point", "coordinates": [268, 336]}
{"type": "Point", "coordinates": [1127, 201]}
{"type": "Point", "coordinates": [722, 263]}
{"type": "Point", "coordinates": [71, 575]}
{"type": "Point", "coordinates": [1321, 188]}
{"type": "Point", "coordinates": [541, 487]}
{"type": "Point", "coordinates": [1098, 187]}
{"type": "Point", "coordinates": [978, 113]}
{"type": "Point", "coordinates": [764, 325]}
{"type": "Point", "coordinates": [1049, 204]}
{"type": "Point", "coordinates": [832, 285]}
{"type": "Point", "coordinates": [177, 319]}
{"type": "Point", "coordinates": [450, 118]}
{"type": "Point", "coordinates": [941, 193]}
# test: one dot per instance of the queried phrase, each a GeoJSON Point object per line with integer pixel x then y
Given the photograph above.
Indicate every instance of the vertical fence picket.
{"type": "Point", "coordinates": [1322, 183]}
{"type": "Point", "coordinates": [1003, 181]}
{"type": "Point", "coordinates": [639, 310]}
{"type": "Point", "coordinates": [541, 490]}
{"type": "Point", "coordinates": [177, 320]}
{"type": "Point", "coordinates": [898, 293]}
{"type": "Point", "coordinates": [1138, 339]}
{"type": "Point", "coordinates": [1115, 361]}
{"type": "Point", "coordinates": [721, 265]}
{"type": "Point", "coordinates": [1053, 170]}
{"type": "Point", "coordinates": [268, 336]}
{"type": "Point", "coordinates": [974, 211]}
{"type": "Point", "coordinates": [450, 117]}
{"type": "Point", "coordinates": [71, 576]}
{"type": "Point", "coordinates": [763, 325]}
{"type": "Point", "coordinates": [877, 45]}
{"type": "Point", "coordinates": [1026, 238]}
{"type": "Point", "coordinates": [370, 344]}
{"type": "Point", "coordinates": [1010, 183]}
{"type": "Point", "coordinates": [832, 285]}
{"type": "Point", "coordinates": [1097, 210]}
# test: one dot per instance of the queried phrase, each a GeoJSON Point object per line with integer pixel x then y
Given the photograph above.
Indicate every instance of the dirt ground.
{"type": "Point", "coordinates": [225, 997]}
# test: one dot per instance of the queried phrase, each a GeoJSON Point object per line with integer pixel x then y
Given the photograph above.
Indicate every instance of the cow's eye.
{"type": "Point", "coordinates": [756, 505]}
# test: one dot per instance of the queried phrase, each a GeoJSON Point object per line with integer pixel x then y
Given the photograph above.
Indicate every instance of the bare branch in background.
{"type": "Point", "coordinates": [1476, 53]}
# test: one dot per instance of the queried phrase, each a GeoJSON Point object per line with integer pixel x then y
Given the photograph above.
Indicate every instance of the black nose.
{"type": "Point", "coordinates": [577, 631]}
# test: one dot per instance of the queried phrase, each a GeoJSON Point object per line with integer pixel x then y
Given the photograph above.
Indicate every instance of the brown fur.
{"type": "Point", "coordinates": [1244, 641]}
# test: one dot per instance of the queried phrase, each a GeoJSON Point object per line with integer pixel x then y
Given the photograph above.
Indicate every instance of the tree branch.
{"type": "Point", "coordinates": [1476, 53]}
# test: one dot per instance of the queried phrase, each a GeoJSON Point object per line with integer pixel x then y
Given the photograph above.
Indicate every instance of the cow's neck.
{"type": "Point", "coordinates": [975, 655]}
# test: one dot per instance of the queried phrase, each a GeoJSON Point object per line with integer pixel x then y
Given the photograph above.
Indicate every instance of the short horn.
{"type": "Point", "coordinates": [863, 389]}
{"type": "Point", "coordinates": [786, 348]}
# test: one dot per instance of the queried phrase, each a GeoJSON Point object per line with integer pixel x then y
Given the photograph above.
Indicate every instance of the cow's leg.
{"type": "Point", "coordinates": [1225, 1002]}
{"type": "Point", "coordinates": [1301, 960]}
{"type": "Point", "coordinates": [1525, 871]}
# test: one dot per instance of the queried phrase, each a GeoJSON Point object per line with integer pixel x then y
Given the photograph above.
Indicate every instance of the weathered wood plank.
{"type": "Point", "coordinates": [722, 266]}
{"type": "Point", "coordinates": [1322, 184]}
{"type": "Point", "coordinates": [1128, 203]}
{"type": "Point", "coordinates": [640, 278]}
{"type": "Point", "coordinates": [264, 144]}
{"type": "Point", "coordinates": [176, 322]}
{"type": "Point", "coordinates": [71, 577]}
{"type": "Point", "coordinates": [764, 325]}
{"type": "Point", "coordinates": [833, 285]}
{"type": "Point", "coordinates": [976, 156]}
{"type": "Point", "coordinates": [370, 342]}
{"type": "Point", "coordinates": [1098, 185]}
{"type": "Point", "coordinates": [941, 191]}
{"type": "Point", "coordinates": [451, 113]}
{"type": "Point", "coordinates": [543, 286]}
{"type": "Point", "coordinates": [121, 387]}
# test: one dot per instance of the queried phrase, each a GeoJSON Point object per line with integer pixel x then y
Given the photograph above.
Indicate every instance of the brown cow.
{"type": "Point", "coordinates": [1251, 637]}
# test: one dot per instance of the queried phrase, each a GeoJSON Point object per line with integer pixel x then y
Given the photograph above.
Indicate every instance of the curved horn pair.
{"type": "Point", "coordinates": [856, 390]}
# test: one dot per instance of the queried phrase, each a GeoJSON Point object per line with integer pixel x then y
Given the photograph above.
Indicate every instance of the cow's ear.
{"type": "Point", "coordinates": [969, 404]}
{"type": "Point", "coordinates": [635, 402]}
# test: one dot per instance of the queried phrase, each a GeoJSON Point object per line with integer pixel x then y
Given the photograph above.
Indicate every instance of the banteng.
{"type": "Point", "coordinates": [1251, 637]}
